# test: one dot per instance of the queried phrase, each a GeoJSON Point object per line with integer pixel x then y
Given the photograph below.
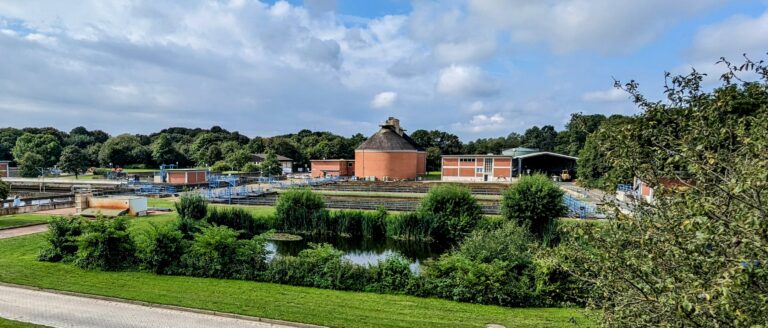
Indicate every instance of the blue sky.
{"type": "Point", "coordinates": [476, 68]}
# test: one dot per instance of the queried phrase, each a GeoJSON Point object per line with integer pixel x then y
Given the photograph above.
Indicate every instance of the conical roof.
{"type": "Point", "coordinates": [390, 138]}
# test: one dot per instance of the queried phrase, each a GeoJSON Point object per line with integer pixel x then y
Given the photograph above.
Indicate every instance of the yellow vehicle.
{"type": "Point", "coordinates": [565, 175]}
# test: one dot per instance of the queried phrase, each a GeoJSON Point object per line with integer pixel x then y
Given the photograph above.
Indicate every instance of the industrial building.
{"type": "Point", "coordinates": [182, 176]}
{"type": "Point", "coordinates": [4, 169]}
{"type": "Point", "coordinates": [390, 154]}
{"type": "Point", "coordinates": [285, 163]}
{"type": "Point", "coordinates": [332, 167]}
{"type": "Point", "coordinates": [503, 168]}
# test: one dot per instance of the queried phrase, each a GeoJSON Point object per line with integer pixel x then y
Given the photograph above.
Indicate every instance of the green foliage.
{"type": "Point", "coordinates": [270, 165]}
{"type": "Point", "coordinates": [122, 150]}
{"type": "Point", "coordinates": [695, 257]}
{"type": "Point", "coordinates": [8, 137]}
{"type": "Point", "coordinates": [45, 145]}
{"type": "Point", "coordinates": [73, 161]}
{"type": "Point", "coordinates": [221, 166]}
{"type": "Point", "coordinates": [105, 245]}
{"type": "Point", "coordinates": [297, 210]}
{"type": "Point", "coordinates": [238, 159]}
{"type": "Point", "coordinates": [412, 226]}
{"type": "Point", "coordinates": [321, 266]}
{"type": "Point", "coordinates": [454, 210]}
{"type": "Point", "coordinates": [238, 219]}
{"type": "Point", "coordinates": [5, 189]}
{"type": "Point", "coordinates": [30, 165]}
{"type": "Point", "coordinates": [594, 166]}
{"type": "Point", "coordinates": [192, 208]}
{"type": "Point", "coordinates": [159, 249]}
{"type": "Point", "coordinates": [216, 252]}
{"type": "Point", "coordinates": [534, 201]}
{"type": "Point", "coordinates": [392, 275]}
{"type": "Point", "coordinates": [163, 151]}
{"type": "Point", "coordinates": [61, 239]}
{"type": "Point", "coordinates": [251, 167]}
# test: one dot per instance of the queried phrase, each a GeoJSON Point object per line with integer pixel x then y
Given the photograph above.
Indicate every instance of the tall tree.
{"type": "Point", "coordinates": [32, 165]}
{"type": "Point", "coordinates": [73, 161]}
{"type": "Point", "coordinates": [120, 150]}
{"type": "Point", "coordinates": [44, 145]}
{"type": "Point", "coordinates": [270, 166]}
{"type": "Point", "coordinates": [163, 151]}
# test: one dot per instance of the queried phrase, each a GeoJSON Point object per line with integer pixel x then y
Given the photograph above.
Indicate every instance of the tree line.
{"type": "Point", "coordinates": [36, 149]}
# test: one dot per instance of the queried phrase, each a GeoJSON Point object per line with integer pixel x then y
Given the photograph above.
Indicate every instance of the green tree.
{"type": "Point", "coordinates": [594, 165]}
{"type": "Point", "coordinates": [238, 159]}
{"type": "Point", "coordinates": [120, 150]}
{"type": "Point", "coordinates": [535, 202]}
{"type": "Point", "coordinates": [44, 145]}
{"type": "Point", "coordinates": [454, 209]}
{"type": "Point", "coordinates": [695, 257]}
{"type": "Point", "coordinates": [270, 165]}
{"type": "Point", "coordinates": [571, 140]}
{"type": "Point", "coordinates": [73, 161]}
{"type": "Point", "coordinates": [8, 138]}
{"type": "Point", "coordinates": [163, 151]}
{"type": "Point", "coordinates": [31, 164]}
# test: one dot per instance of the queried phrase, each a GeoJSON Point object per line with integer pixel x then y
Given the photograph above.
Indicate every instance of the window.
{"type": "Point", "coordinates": [467, 160]}
{"type": "Point", "coordinates": [350, 164]}
{"type": "Point", "coordinates": [478, 170]}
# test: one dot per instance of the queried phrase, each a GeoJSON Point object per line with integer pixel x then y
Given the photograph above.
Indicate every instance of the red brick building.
{"type": "Point", "coordinates": [502, 168]}
{"type": "Point", "coordinates": [390, 154]}
{"type": "Point", "coordinates": [184, 176]}
{"type": "Point", "coordinates": [332, 167]}
{"type": "Point", "coordinates": [4, 172]}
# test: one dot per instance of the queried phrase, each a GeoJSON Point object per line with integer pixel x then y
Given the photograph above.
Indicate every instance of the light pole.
{"type": "Point", "coordinates": [42, 178]}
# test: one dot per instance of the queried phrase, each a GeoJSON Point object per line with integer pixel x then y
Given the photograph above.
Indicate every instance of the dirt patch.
{"type": "Point", "coordinates": [58, 211]}
{"type": "Point", "coordinates": [15, 232]}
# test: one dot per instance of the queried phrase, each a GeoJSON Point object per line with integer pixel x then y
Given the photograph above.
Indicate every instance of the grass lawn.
{"type": "Point", "coordinates": [434, 175]}
{"type": "Point", "coordinates": [20, 220]}
{"type": "Point", "coordinates": [298, 304]}
{"type": "Point", "coordinates": [5, 323]}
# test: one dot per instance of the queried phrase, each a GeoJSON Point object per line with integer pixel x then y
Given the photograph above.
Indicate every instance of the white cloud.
{"type": "Point", "coordinates": [384, 99]}
{"type": "Point", "coordinates": [482, 123]}
{"type": "Point", "coordinates": [610, 95]}
{"type": "Point", "coordinates": [476, 107]}
{"type": "Point", "coordinates": [606, 26]}
{"type": "Point", "coordinates": [458, 80]}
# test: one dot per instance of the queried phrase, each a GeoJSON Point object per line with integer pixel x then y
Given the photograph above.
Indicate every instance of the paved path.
{"type": "Point", "coordinates": [56, 310]}
{"type": "Point", "coordinates": [15, 232]}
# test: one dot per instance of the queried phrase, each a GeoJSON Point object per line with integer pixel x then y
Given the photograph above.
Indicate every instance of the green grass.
{"type": "Point", "coordinates": [5, 323]}
{"type": "Point", "coordinates": [434, 175]}
{"type": "Point", "coordinates": [20, 220]}
{"type": "Point", "coordinates": [298, 304]}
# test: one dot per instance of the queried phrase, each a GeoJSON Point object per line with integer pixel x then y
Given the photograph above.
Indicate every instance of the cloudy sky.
{"type": "Point", "coordinates": [476, 68]}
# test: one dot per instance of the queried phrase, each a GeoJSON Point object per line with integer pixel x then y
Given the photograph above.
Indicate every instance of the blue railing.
{"type": "Point", "coordinates": [579, 208]}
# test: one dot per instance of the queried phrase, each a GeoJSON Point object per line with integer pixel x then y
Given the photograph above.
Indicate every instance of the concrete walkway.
{"type": "Point", "coordinates": [57, 310]}
{"type": "Point", "coordinates": [28, 230]}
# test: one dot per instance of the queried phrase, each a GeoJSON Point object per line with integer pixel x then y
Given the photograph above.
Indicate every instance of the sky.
{"type": "Point", "coordinates": [475, 68]}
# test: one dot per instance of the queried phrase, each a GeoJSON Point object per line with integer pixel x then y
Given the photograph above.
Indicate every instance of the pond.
{"type": "Point", "coordinates": [364, 251]}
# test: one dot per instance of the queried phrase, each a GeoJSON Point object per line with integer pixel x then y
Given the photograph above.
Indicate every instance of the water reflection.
{"type": "Point", "coordinates": [364, 251]}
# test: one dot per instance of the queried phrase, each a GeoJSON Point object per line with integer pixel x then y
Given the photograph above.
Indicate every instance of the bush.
{"type": "Point", "coordinates": [160, 249]}
{"type": "Point", "coordinates": [5, 189]}
{"type": "Point", "coordinates": [366, 224]}
{"type": "Point", "coordinates": [489, 267]}
{"type": "Point", "coordinates": [62, 239]}
{"type": "Point", "coordinates": [216, 252]}
{"type": "Point", "coordinates": [192, 208]}
{"type": "Point", "coordinates": [299, 210]}
{"type": "Point", "coordinates": [454, 209]}
{"type": "Point", "coordinates": [250, 167]}
{"type": "Point", "coordinates": [411, 226]}
{"type": "Point", "coordinates": [393, 275]}
{"type": "Point", "coordinates": [237, 219]}
{"type": "Point", "coordinates": [534, 201]}
{"type": "Point", "coordinates": [321, 266]}
{"type": "Point", "coordinates": [105, 245]}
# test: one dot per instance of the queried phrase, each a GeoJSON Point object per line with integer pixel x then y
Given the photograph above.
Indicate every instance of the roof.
{"type": "Point", "coordinates": [332, 160]}
{"type": "Point", "coordinates": [546, 153]}
{"type": "Point", "coordinates": [280, 158]}
{"type": "Point", "coordinates": [519, 151]}
{"type": "Point", "coordinates": [185, 170]}
{"type": "Point", "coordinates": [386, 139]}
{"type": "Point", "coordinates": [477, 155]}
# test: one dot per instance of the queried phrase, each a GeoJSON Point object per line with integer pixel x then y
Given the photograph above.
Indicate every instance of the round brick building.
{"type": "Point", "coordinates": [390, 154]}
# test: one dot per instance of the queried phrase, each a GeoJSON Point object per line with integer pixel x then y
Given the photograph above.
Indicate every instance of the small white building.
{"type": "Point", "coordinates": [285, 162]}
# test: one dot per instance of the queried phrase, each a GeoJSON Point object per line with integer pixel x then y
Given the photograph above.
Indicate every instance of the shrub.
{"type": "Point", "coordinates": [321, 266]}
{"type": "Point", "coordinates": [393, 275]}
{"type": "Point", "coordinates": [61, 238]}
{"type": "Point", "coordinates": [216, 252]}
{"type": "Point", "coordinates": [454, 209]}
{"type": "Point", "coordinates": [160, 249]}
{"type": "Point", "coordinates": [105, 245]}
{"type": "Point", "coordinates": [489, 267]}
{"type": "Point", "coordinates": [237, 219]}
{"type": "Point", "coordinates": [250, 167]}
{"type": "Point", "coordinates": [373, 225]}
{"type": "Point", "coordinates": [411, 226]}
{"type": "Point", "coordinates": [534, 201]}
{"type": "Point", "coordinates": [299, 210]}
{"type": "Point", "coordinates": [366, 224]}
{"type": "Point", "coordinates": [192, 207]}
